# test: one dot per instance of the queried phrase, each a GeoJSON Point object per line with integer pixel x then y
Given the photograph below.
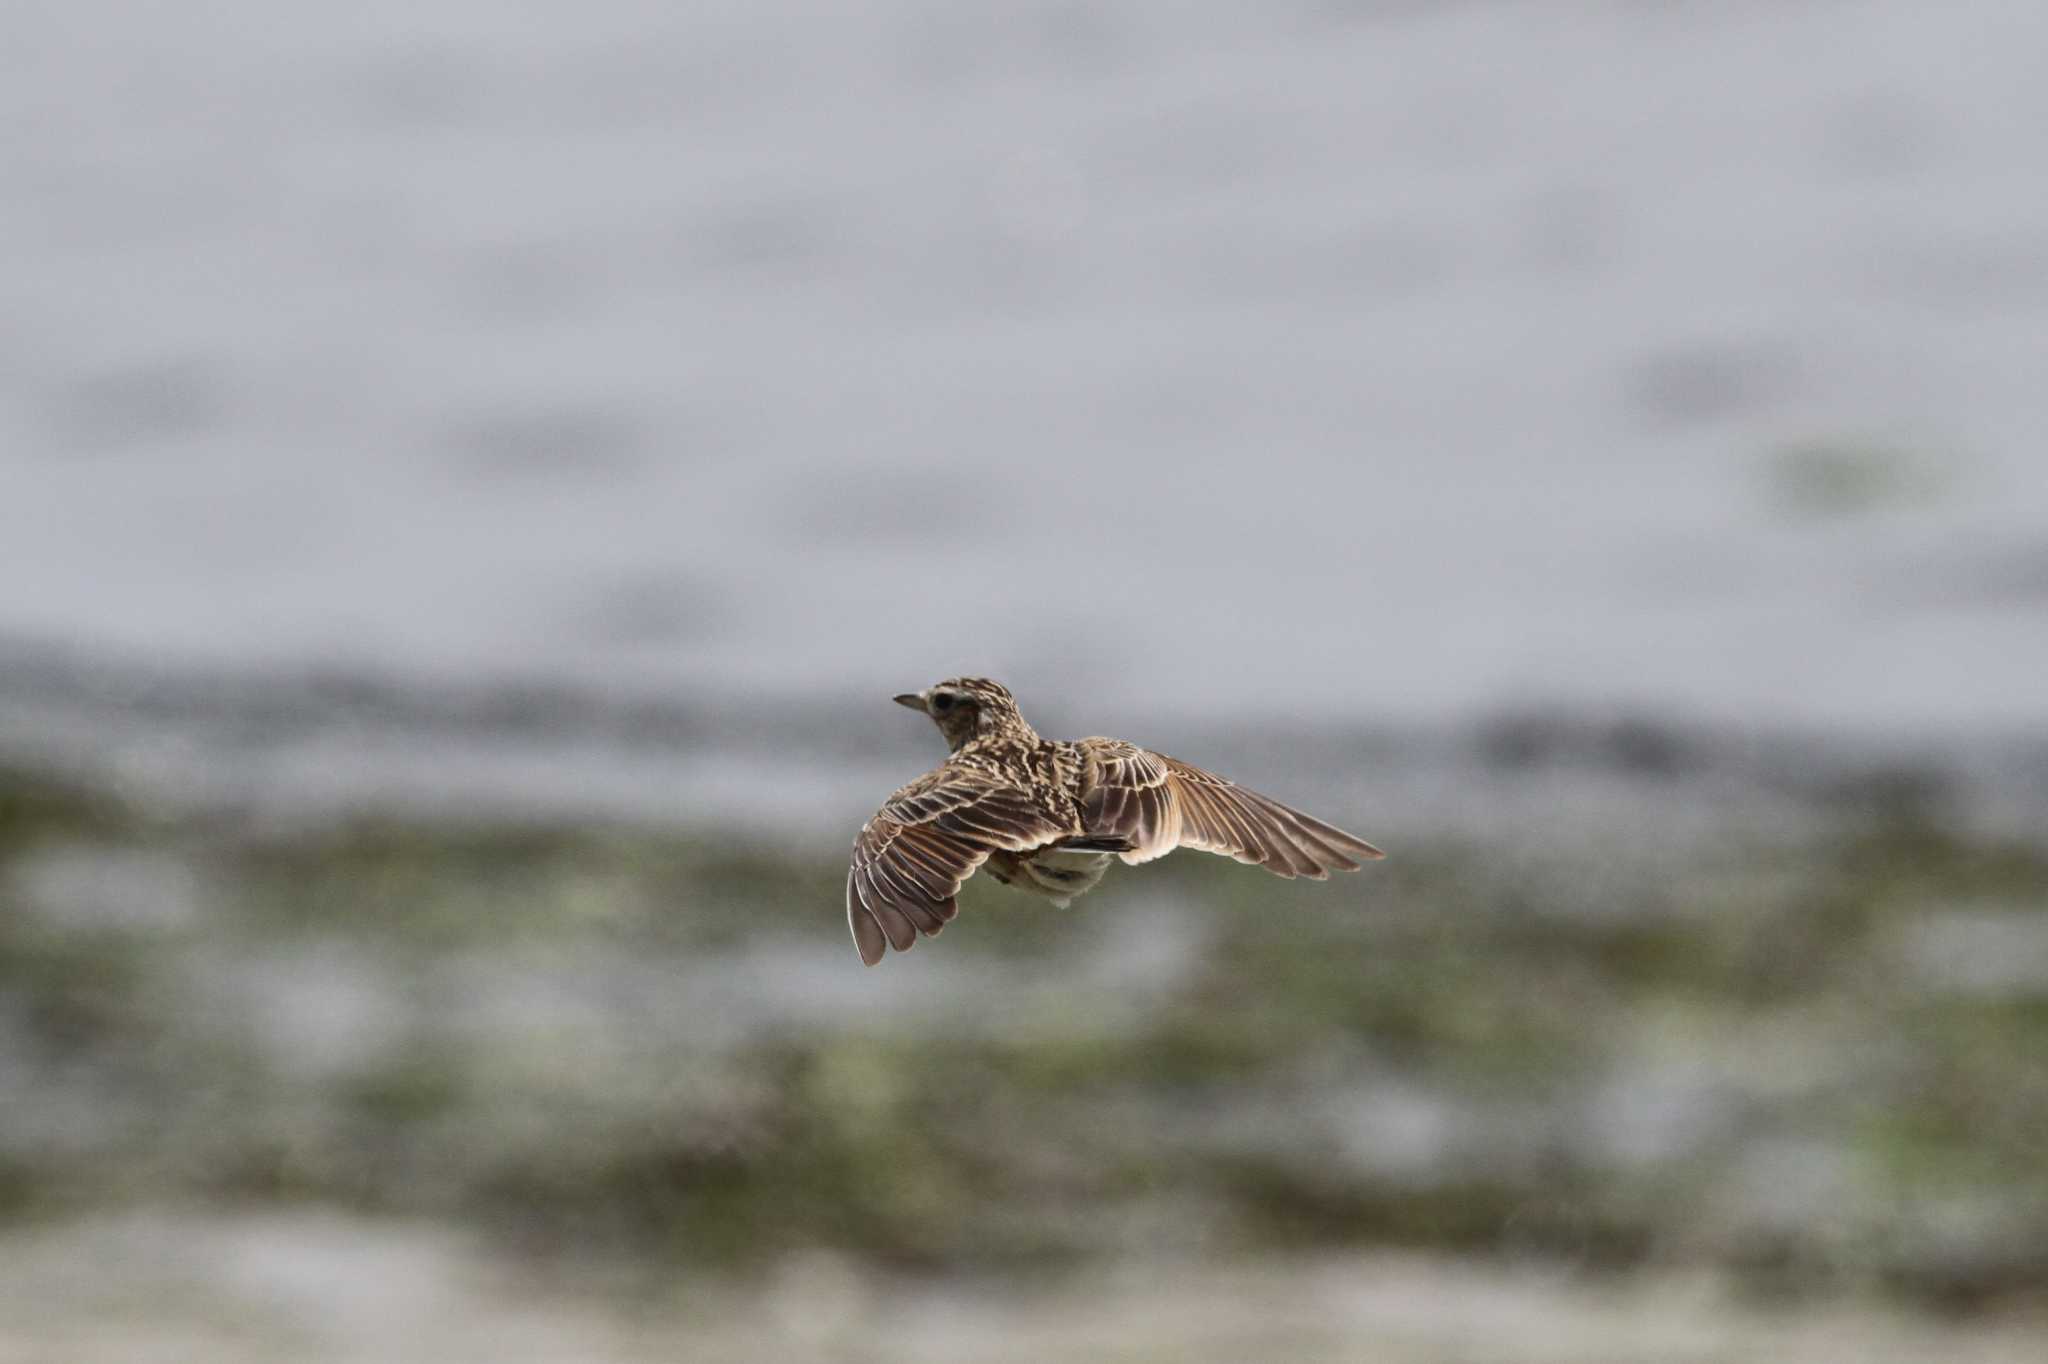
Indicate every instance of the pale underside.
{"type": "Point", "coordinates": [1049, 819]}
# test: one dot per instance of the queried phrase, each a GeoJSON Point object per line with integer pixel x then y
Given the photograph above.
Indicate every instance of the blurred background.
{"type": "Point", "coordinates": [471, 477]}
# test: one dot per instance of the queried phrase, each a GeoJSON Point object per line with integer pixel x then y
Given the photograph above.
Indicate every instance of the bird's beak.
{"type": "Point", "coordinates": [911, 699]}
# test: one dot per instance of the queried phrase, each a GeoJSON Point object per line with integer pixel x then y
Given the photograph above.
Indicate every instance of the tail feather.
{"type": "Point", "coordinates": [1102, 843]}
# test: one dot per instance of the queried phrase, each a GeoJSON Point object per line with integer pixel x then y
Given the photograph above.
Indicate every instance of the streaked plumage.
{"type": "Point", "coordinates": [1047, 816]}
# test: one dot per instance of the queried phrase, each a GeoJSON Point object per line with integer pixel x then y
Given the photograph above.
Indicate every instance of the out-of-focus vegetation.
{"type": "Point", "coordinates": [1821, 1063]}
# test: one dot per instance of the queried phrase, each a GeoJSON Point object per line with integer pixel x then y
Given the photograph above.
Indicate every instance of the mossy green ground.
{"type": "Point", "coordinates": [1822, 1062]}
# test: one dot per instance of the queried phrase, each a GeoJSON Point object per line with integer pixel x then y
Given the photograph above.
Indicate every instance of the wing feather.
{"type": "Point", "coordinates": [868, 938]}
{"type": "Point", "coordinates": [924, 869]}
{"type": "Point", "coordinates": [911, 859]}
{"type": "Point", "coordinates": [1160, 803]}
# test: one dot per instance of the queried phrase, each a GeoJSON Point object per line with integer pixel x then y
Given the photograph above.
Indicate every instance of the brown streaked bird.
{"type": "Point", "coordinates": [1047, 815]}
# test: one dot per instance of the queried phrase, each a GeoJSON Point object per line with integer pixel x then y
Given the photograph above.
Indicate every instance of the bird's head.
{"type": "Point", "coordinates": [968, 708]}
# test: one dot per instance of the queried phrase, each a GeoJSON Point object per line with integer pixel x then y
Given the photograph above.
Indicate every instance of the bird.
{"type": "Point", "coordinates": [1049, 816]}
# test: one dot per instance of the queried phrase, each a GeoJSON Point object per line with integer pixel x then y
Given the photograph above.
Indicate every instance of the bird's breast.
{"type": "Point", "coordinates": [1059, 874]}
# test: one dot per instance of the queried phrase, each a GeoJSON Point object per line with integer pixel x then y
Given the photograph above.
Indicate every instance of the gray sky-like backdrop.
{"type": "Point", "coordinates": [1404, 361]}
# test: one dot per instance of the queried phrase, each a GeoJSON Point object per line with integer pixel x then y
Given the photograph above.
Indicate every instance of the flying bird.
{"type": "Point", "coordinates": [1048, 815]}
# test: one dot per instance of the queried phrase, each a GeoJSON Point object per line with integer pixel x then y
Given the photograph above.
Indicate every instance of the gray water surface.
{"type": "Point", "coordinates": [1379, 361]}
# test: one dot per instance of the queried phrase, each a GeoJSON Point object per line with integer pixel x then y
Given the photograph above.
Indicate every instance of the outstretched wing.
{"type": "Point", "coordinates": [911, 859]}
{"type": "Point", "coordinates": [1160, 803]}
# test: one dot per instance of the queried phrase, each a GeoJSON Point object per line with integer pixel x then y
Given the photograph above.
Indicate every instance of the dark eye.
{"type": "Point", "coordinates": [942, 703]}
